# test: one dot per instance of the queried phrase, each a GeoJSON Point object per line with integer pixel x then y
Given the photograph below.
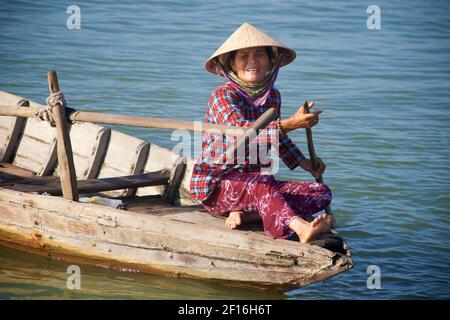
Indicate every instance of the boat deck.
{"type": "Point", "coordinates": [19, 179]}
{"type": "Point", "coordinates": [15, 178]}
{"type": "Point", "coordinates": [198, 215]}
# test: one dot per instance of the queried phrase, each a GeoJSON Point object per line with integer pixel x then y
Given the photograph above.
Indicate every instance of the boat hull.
{"type": "Point", "coordinates": [126, 240]}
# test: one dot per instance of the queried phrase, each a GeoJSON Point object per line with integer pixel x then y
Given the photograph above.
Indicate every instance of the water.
{"type": "Point", "coordinates": [384, 133]}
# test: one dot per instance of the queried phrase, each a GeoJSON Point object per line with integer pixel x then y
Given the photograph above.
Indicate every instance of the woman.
{"type": "Point", "coordinates": [249, 59]}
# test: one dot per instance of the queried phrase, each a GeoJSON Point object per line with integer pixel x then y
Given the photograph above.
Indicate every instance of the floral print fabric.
{"type": "Point", "coordinates": [277, 202]}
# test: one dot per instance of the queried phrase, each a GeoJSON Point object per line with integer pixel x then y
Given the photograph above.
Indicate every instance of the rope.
{"type": "Point", "coordinates": [46, 113]}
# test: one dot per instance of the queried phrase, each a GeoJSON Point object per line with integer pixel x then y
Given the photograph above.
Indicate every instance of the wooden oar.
{"type": "Point", "coordinates": [313, 156]}
{"type": "Point", "coordinates": [64, 146]}
{"type": "Point", "coordinates": [251, 132]}
{"type": "Point", "coordinates": [127, 120]}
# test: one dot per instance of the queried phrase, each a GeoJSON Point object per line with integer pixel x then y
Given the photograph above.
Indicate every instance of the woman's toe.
{"type": "Point", "coordinates": [314, 222]}
{"type": "Point", "coordinates": [330, 220]}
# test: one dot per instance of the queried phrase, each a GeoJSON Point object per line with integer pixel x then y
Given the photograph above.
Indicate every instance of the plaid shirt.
{"type": "Point", "coordinates": [227, 107]}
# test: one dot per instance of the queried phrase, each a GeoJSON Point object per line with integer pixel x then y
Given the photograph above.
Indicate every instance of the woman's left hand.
{"type": "Point", "coordinates": [307, 166]}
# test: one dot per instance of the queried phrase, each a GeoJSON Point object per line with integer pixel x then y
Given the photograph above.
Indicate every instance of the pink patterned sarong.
{"type": "Point", "coordinates": [277, 202]}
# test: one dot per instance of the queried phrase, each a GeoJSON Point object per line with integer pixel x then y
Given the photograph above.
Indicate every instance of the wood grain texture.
{"type": "Point", "coordinates": [160, 244]}
{"type": "Point", "coordinates": [64, 147]}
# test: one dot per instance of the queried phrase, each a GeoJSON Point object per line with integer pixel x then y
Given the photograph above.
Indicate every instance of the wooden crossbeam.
{"type": "Point", "coordinates": [53, 187]}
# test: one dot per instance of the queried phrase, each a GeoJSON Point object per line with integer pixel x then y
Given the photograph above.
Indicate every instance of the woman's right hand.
{"type": "Point", "coordinates": [301, 119]}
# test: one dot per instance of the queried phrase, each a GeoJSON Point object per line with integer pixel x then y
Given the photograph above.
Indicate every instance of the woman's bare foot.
{"type": "Point", "coordinates": [307, 231]}
{"type": "Point", "coordinates": [234, 220]}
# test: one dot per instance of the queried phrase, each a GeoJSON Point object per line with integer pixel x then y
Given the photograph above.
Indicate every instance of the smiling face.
{"type": "Point", "coordinates": [251, 64]}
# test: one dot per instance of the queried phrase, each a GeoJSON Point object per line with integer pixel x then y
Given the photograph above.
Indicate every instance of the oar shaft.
{"type": "Point", "coordinates": [64, 147]}
{"type": "Point", "coordinates": [251, 132]}
{"type": "Point", "coordinates": [313, 156]}
{"type": "Point", "coordinates": [137, 121]}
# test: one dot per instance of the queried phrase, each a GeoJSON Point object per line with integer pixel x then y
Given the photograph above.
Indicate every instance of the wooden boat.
{"type": "Point", "coordinates": [162, 231]}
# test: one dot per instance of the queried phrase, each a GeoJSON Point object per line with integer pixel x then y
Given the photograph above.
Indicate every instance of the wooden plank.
{"type": "Point", "coordinates": [159, 158]}
{"type": "Point", "coordinates": [64, 147]}
{"type": "Point", "coordinates": [9, 168]}
{"type": "Point", "coordinates": [185, 192]}
{"type": "Point", "coordinates": [148, 243]}
{"type": "Point", "coordinates": [160, 210]}
{"type": "Point", "coordinates": [161, 225]}
{"type": "Point", "coordinates": [11, 174]}
{"type": "Point", "coordinates": [35, 149]}
{"type": "Point", "coordinates": [125, 155]}
{"type": "Point", "coordinates": [10, 139]}
{"type": "Point", "coordinates": [176, 177]}
{"type": "Point", "coordinates": [89, 143]}
{"type": "Point", "coordinates": [199, 215]}
{"type": "Point", "coordinates": [96, 185]}
{"type": "Point", "coordinates": [162, 158]}
{"type": "Point", "coordinates": [101, 139]}
{"type": "Point", "coordinates": [122, 119]}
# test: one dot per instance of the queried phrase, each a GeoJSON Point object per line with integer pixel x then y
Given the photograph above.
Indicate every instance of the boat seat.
{"type": "Point", "coordinates": [52, 184]}
{"type": "Point", "coordinates": [11, 175]}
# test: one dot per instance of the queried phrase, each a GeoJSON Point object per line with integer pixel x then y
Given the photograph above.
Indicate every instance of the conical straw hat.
{"type": "Point", "coordinates": [247, 36]}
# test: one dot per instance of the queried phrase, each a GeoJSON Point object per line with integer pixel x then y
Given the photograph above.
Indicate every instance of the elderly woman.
{"type": "Point", "coordinates": [249, 59]}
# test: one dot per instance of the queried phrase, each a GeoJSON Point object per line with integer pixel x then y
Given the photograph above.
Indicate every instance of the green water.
{"type": "Point", "coordinates": [44, 278]}
{"type": "Point", "coordinates": [384, 134]}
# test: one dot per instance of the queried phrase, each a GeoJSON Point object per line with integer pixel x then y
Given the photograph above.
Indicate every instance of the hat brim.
{"type": "Point", "coordinates": [211, 65]}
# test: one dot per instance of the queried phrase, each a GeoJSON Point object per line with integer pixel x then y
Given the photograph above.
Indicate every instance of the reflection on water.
{"type": "Point", "coordinates": [44, 278]}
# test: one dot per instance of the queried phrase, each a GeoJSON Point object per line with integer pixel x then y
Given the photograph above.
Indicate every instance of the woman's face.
{"type": "Point", "coordinates": [251, 64]}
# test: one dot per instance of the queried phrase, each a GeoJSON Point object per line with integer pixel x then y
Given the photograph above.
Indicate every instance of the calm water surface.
{"type": "Point", "coordinates": [384, 133]}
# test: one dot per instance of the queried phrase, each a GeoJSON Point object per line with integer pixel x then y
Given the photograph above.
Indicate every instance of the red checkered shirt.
{"type": "Point", "coordinates": [227, 107]}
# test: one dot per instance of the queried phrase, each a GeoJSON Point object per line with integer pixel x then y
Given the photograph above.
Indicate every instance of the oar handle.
{"type": "Point", "coordinates": [53, 85]}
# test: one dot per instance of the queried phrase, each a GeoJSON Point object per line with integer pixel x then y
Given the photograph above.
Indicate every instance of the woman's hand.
{"type": "Point", "coordinates": [307, 166]}
{"type": "Point", "coordinates": [301, 119]}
